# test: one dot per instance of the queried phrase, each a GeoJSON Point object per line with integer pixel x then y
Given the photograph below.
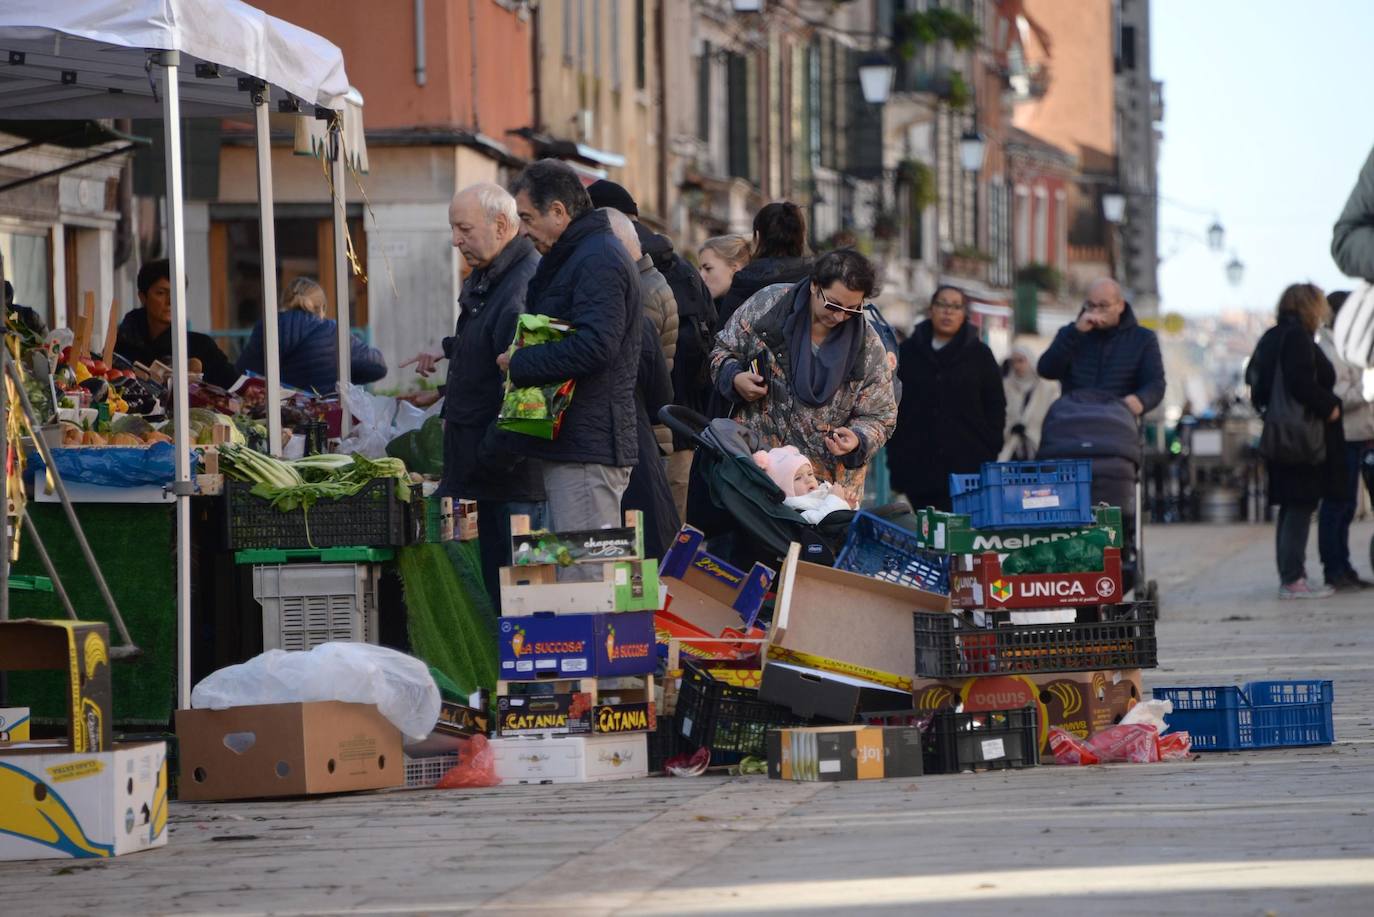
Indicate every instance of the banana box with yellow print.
{"type": "Point", "coordinates": [86, 797]}
{"type": "Point", "coordinates": [1078, 702]}
{"type": "Point", "coordinates": [14, 724]}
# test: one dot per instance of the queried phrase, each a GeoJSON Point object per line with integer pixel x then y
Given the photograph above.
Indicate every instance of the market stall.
{"type": "Point", "coordinates": [171, 59]}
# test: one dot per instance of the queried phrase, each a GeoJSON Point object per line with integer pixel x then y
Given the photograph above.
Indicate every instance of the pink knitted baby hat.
{"type": "Point", "coordinates": [781, 464]}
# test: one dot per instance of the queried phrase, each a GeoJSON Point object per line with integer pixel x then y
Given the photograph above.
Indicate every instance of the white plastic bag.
{"type": "Point", "coordinates": [380, 419]}
{"type": "Point", "coordinates": [1149, 713]}
{"type": "Point", "coordinates": [399, 685]}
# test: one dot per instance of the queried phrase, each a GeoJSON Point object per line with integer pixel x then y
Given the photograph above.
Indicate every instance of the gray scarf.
{"type": "Point", "coordinates": [817, 377]}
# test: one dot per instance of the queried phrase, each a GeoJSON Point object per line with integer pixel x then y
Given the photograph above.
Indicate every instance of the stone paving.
{"type": "Point", "coordinates": [1276, 832]}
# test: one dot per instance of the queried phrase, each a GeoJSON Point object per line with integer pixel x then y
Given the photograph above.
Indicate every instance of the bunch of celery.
{"type": "Point", "coordinates": [298, 484]}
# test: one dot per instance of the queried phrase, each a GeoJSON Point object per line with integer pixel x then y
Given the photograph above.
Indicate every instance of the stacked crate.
{"type": "Point", "coordinates": [1060, 641]}
{"type": "Point", "coordinates": [312, 596]}
{"type": "Point", "coordinates": [575, 699]}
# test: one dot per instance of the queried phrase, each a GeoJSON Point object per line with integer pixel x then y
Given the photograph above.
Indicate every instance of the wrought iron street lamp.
{"type": "Point", "coordinates": [1235, 271]}
{"type": "Point", "coordinates": [1216, 236]}
{"type": "Point", "coordinates": [972, 148]}
{"type": "Point", "coordinates": [1113, 206]}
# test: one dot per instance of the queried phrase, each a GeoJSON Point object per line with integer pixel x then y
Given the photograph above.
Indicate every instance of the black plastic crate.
{"type": "Point", "coordinates": [991, 740]}
{"type": "Point", "coordinates": [730, 721]}
{"type": "Point", "coordinates": [371, 518]}
{"type": "Point", "coordinates": [664, 743]}
{"type": "Point", "coordinates": [948, 647]}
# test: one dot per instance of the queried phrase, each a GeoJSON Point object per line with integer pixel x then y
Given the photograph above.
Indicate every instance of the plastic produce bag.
{"type": "Point", "coordinates": [1069, 749]}
{"type": "Point", "coordinates": [422, 450]}
{"type": "Point", "coordinates": [378, 419]}
{"type": "Point", "coordinates": [476, 766]}
{"type": "Point", "coordinates": [536, 410]}
{"type": "Point", "coordinates": [1151, 712]}
{"type": "Point", "coordinates": [1131, 744]}
{"type": "Point", "coordinates": [1175, 746]}
{"type": "Point", "coordinates": [360, 673]}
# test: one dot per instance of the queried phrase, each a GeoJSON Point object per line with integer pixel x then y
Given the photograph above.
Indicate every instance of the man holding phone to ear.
{"type": "Point", "coordinates": [1107, 350]}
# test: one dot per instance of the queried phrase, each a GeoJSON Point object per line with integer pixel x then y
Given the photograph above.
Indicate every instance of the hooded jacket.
{"type": "Point", "coordinates": [697, 323]}
{"type": "Point", "coordinates": [308, 348]}
{"type": "Point", "coordinates": [952, 413]}
{"type": "Point", "coordinates": [757, 274]}
{"type": "Point", "coordinates": [587, 280]}
{"type": "Point", "coordinates": [660, 310]}
{"type": "Point", "coordinates": [1121, 360]}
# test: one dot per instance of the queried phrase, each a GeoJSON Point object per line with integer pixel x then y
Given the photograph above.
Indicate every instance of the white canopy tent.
{"type": "Point", "coordinates": [169, 59]}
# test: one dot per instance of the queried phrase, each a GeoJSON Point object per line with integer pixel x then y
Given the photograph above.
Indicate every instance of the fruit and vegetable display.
{"type": "Point", "coordinates": [301, 482]}
{"type": "Point", "coordinates": [1081, 553]}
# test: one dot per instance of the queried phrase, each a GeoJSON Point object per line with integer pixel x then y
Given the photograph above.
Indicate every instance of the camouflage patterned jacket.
{"type": "Point", "coordinates": [864, 402]}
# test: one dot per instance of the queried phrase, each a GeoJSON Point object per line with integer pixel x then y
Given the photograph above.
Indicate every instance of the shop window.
{"type": "Point", "coordinates": [305, 248]}
{"type": "Point", "coordinates": [27, 255]}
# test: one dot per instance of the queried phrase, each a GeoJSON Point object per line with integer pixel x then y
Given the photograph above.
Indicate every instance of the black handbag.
{"type": "Point", "coordinates": [1292, 436]}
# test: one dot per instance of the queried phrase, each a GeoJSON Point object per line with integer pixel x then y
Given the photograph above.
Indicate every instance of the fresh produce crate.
{"type": "Point", "coordinates": [949, 647]}
{"type": "Point", "coordinates": [991, 740]}
{"type": "Point", "coordinates": [952, 533]}
{"type": "Point", "coordinates": [726, 719]}
{"type": "Point", "coordinates": [343, 555]}
{"type": "Point", "coordinates": [422, 773]}
{"type": "Point", "coordinates": [1260, 714]}
{"type": "Point", "coordinates": [986, 586]}
{"type": "Point", "coordinates": [664, 742]}
{"type": "Point", "coordinates": [1025, 494]}
{"type": "Point", "coordinates": [877, 548]}
{"type": "Point", "coordinates": [373, 517]}
{"type": "Point", "coordinates": [304, 605]}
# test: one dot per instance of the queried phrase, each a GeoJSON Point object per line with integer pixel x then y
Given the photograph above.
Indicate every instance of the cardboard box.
{"type": "Point", "coordinates": [626, 586]}
{"type": "Point", "coordinates": [591, 708]}
{"type": "Point", "coordinates": [56, 803]}
{"type": "Point", "coordinates": [577, 645]}
{"type": "Point", "coordinates": [815, 694]}
{"type": "Point", "coordinates": [951, 533]}
{"type": "Point", "coordinates": [985, 585]}
{"type": "Point", "coordinates": [709, 593]}
{"type": "Point", "coordinates": [831, 753]}
{"type": "Point", "coordinates": [286, 750]}
{"type": "Point", "coordinates": [848, 624]}
{"type": "Point", "coordinates": [82, 649]}
{"type": "Point", "coordinates": [1078, 702]}
{"type": "Point", "coordinates": [14, 724]}
{"type": "Point", "coordinates": [571, 759]}
{"type": "Point", "coordinates": [457, 719]}
{"type": "Point", "coordinates": [465, 520]}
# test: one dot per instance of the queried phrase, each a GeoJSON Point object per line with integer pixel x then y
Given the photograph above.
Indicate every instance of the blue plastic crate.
{"type": "Point", "coordinates": [1025, 494]}
{"type": "Point", "coordinates": [1260, 714]}
{"type": "Point", "coordinates": [877, 548]}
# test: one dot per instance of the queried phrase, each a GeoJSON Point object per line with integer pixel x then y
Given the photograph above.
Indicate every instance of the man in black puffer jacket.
{"type": "Point", "coordinates": [1107, 350]}
{"type": "Point", "coordinates": [587, 280]}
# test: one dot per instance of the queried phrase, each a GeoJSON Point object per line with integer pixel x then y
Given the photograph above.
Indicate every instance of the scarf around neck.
{"type": "Point", "coordinates": [816, 377]}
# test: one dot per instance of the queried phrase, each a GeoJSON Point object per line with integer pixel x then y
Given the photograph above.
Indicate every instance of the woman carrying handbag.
{"type": "Point", "coordinates": [1291, 384]}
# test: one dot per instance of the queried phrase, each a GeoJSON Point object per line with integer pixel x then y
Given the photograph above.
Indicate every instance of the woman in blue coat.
{"type": "Point", "coordinates": [308, 344]}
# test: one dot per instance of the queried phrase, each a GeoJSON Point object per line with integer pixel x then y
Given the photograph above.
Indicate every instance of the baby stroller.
{"type": "Point", "coordinates": [1098, 426]}
{"type": "Point", "coordinates": [739, 508]}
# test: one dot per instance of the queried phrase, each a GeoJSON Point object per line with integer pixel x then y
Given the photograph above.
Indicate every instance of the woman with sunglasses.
{"type": "Point", "coordinates": [953, 409]}
{"type": "Point", "coordinates": [802, 367]}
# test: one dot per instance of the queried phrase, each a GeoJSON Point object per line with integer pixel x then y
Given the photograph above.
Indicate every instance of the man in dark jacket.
{"type": "Point", "coordinates": [1107, 350]}
{"type": "Point", "coordinates": [145, 335]}
{"type": "Point", "coordinates": [587, 280]}
{"type": "Point", "coordinates": [477, 466]}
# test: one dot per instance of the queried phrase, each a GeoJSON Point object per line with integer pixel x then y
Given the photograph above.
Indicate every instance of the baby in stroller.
{"type": "Point", "coordinates": [793, 474]}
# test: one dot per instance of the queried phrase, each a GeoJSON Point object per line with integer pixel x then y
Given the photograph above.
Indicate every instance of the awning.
{"type": "Point", "coordinates": [78, 135]}
{"type": "Point", "coordinates": [549, 147]}
{"type": "Point", "coordinates": [88, 58]}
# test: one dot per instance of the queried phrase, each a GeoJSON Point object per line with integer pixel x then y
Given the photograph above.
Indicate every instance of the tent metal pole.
{"type": "Point", "coordinates": [342, 309]}
{"type": "Point", "coordinates": [176, 255]}
{"type": "Point", "coordinates": [266, 221]}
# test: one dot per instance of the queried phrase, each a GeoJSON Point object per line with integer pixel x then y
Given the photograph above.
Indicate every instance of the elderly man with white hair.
{"type": "Point", "coordinates": [486, 230]}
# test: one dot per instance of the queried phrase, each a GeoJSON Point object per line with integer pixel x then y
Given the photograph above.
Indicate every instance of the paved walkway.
{"type": "Point", "coordinates": [1276, 832]}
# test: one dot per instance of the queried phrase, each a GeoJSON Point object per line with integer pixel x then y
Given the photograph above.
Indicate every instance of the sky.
{"type": "Point", "coordinates": [1268, 116]}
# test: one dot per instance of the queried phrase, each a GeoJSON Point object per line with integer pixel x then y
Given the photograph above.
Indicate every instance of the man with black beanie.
{"type": "Point", "coordinates": [696, 328]}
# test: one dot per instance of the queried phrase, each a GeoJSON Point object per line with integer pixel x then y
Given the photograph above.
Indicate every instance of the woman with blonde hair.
{"type": "Point", "coordinates": [308, 343]}
{"type": "Point", "coordinates": [1287, 355]}
{"type": "Point", "coordinates": [721, 257]}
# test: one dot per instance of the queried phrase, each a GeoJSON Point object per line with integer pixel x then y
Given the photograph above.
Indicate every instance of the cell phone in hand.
{"type": "Point", "coordinates": [762, 366]}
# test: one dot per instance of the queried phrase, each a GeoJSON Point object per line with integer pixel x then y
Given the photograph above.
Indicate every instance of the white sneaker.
{"type": "Point", "coordinates": [1301, 589]}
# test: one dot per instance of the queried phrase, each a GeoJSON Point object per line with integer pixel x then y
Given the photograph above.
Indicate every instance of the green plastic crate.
{"type": "Point", "coordinates": [355, 555]}
{"type": "Point", "coordinates": [951, 533]}
{"type": "Point", "coordinates": [30, 584]}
